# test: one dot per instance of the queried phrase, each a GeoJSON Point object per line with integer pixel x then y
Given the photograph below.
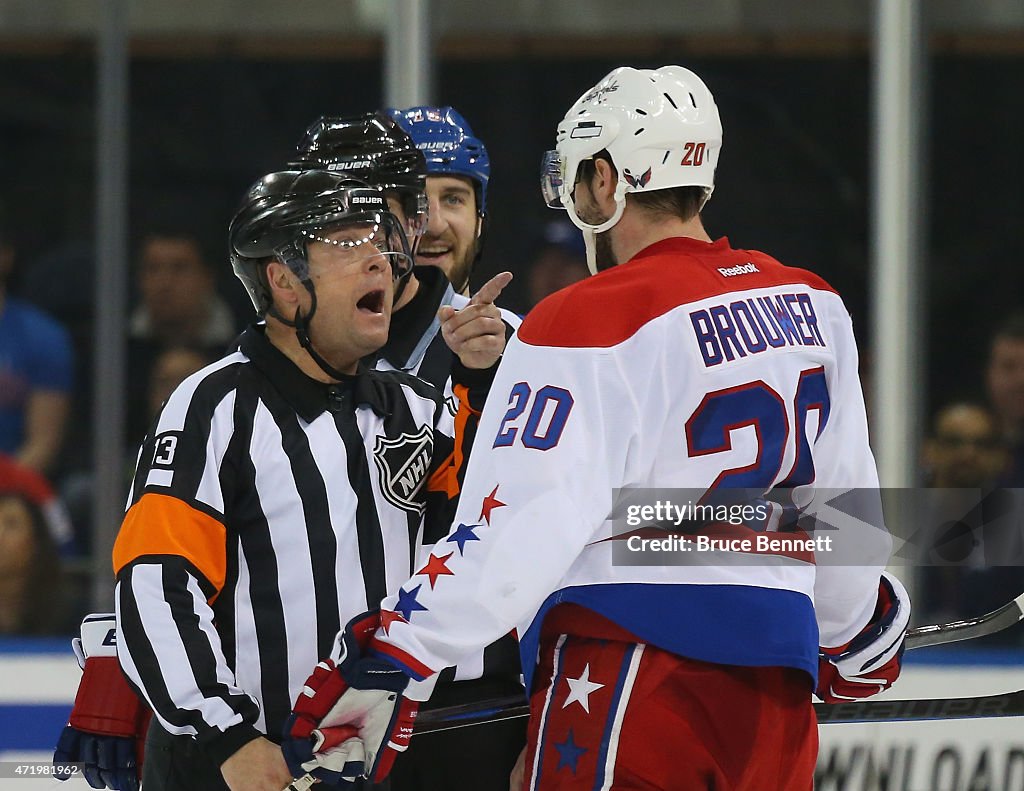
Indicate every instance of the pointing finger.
{"type": "Point", "coordinates": [491, 289]}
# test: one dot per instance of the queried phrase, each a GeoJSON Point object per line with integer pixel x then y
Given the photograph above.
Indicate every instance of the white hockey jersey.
{"type": "Point", "coordinates": [694, 367]}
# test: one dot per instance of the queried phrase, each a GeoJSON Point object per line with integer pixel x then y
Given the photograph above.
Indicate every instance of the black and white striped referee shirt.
{"type": "Point", "coordinates": [267, 509]}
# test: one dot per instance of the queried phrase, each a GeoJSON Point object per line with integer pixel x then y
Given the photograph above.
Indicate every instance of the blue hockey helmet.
{"type": "Point", "coordinates": [449, 145]}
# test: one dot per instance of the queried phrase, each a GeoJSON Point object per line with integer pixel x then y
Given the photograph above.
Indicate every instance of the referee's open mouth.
{"type": "Point", "coordinates": [372, 302]}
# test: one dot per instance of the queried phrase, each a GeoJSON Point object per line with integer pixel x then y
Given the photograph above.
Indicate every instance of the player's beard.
{"type": "Point", "coordinates": [461, 270]}
{"type": "Point", "coordinates": [604, 258]}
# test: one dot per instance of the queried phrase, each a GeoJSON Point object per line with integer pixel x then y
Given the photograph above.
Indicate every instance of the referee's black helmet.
{"type": "Point", "coordinates": [283, 211]}
{"type": "Point", "coordinates": [374, 148]}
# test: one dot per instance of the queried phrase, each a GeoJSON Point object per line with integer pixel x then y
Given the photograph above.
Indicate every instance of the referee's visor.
{"type": "Point", "coordinates": [358, 237]}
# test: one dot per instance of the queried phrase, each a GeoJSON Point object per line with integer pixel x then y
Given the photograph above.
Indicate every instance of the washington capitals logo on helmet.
{"type": "Point", "coordinates": [600, 92]}
{"type": "Point", "coordinates": [638, 182]}
{"type": "Point", "coordinates": [403, 467]}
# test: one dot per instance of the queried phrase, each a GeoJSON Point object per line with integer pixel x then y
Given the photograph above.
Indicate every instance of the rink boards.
{"type": "Point", "coordinates": [38, 679]}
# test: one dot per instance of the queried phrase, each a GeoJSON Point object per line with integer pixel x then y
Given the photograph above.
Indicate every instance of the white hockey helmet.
{"type": "Point", "coordinates": [660, 128]}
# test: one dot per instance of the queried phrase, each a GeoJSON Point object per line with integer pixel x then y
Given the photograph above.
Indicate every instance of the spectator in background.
{"type": "Point", "coordinates": [1004, 379]}
{"type": "Point", "coordinates": [35, 377]}
{"type": "Point", "coordinates": [560, 261]}
{"type": "Point", "coordinates": [966, 456]}
{"type": "Point", "coordinates": [964, 449]}
{"type": "Point", "coordinates": [178, 304]}
{"type": "Point", "coordinates": [36, 488]}
{"type": "Point", "coordinates": [172, 367]}
{"type": "Point", "coordinates": [61, 281]}
{"type": "Point", "coordinates": [168, 368]}
{"type": "Point", "coordinates": [31, 600]}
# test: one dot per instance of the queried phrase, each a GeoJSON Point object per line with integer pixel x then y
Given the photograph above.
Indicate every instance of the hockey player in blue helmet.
{"type": "Point", "coordinates": [458, 170]}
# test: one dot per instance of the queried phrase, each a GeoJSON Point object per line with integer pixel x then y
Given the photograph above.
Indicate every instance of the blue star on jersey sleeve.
{"type": "Point", "coordinates": [462, 534]}
{"type": "Point", "coordinates": [407, 603]}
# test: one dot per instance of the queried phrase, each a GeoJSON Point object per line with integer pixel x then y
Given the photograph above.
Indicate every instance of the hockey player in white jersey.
{"type": "Point", "coordinates": [683, 365]}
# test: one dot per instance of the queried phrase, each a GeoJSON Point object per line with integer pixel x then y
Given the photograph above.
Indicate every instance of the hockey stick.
{"type": "Point", "coordinates": [1010, 704]}
{"type": "Point", "coordinates": [969, 628]}
{"type": "Point", "coordinates": [1007, 704]}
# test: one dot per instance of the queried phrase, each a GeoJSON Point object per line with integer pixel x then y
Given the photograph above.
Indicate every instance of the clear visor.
{"type": "Point", "coordinates": [411, 208]}
{"type": "Point", "coordinates": [375, 234]}
{"type": "Point", "coordinates": [552, 177]}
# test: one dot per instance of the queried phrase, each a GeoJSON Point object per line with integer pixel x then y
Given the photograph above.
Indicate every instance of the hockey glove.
{"type": "Point", "coordinates": [871, 661]}
{"type": "Point", "coordinates": [351, 719]}
{"type": "Point", "coordinates": [107, 729]}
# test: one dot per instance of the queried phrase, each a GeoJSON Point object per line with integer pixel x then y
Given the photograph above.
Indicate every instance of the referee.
{"type": "Point", "coordinates": [283, 490]}
{"type": "Point", "coordinates": [375, 148]}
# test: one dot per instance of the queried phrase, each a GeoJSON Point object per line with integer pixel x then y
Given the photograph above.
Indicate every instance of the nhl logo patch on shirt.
{"type": "Point", "coordinates": [403, 464]}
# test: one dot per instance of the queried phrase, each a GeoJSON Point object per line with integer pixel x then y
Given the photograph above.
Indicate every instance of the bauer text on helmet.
{"type": "Point", "coordinates": [374, 148]}
{"type": "Point", "coordinates": [284, 212]}
{"type": "Point", "coordinates": [449, 145]}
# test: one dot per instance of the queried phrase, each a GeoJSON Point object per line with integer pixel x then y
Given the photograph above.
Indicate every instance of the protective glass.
{"type": "Point", "coordinates": [552, 177]}
{"type": "Point", "coordinates": [359, 237]}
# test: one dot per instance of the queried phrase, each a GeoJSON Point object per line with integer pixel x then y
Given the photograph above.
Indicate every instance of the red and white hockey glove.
{"type": "Point", "coordinates": [351, 719]}
{"type": "Point", "coordinates": [107, 729]}
{"type": "Point", "coordinates": [872, 660]}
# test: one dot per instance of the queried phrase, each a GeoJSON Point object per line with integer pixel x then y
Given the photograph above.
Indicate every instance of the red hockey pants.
{"type": "Point", "coordinates": [609, 714]}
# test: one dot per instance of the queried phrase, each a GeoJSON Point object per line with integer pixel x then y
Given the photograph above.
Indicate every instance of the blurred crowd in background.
{"type": "Point", "coordinates": [186, 309]}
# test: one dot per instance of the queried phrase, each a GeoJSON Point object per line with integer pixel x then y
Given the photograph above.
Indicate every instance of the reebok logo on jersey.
{"type": "Point", "coordinates": [741, 269]}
